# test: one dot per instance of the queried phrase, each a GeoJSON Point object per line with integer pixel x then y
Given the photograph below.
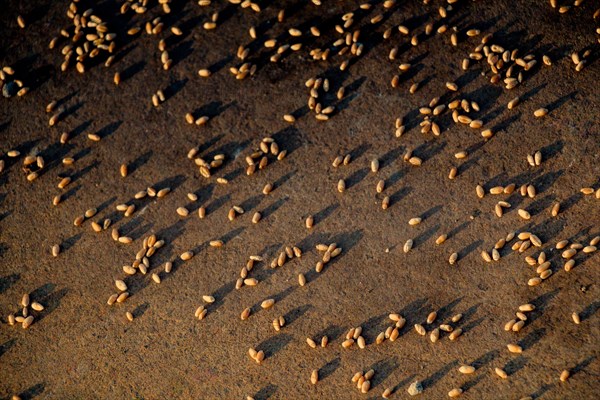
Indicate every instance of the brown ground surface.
{"type": "Point", "coordinates": [79, 347]}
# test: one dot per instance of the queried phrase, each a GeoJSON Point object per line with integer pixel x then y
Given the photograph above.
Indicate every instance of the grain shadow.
{"type": "Point", "coordinates": [383, 368]}
{"type": "Point", "coordinates": [265, 392]}
{"type": "Point", "coordinates": [140, 310]}
{"type": "Point", "coordinates": [283, 179]}
{"type": "Point", "coordinates": [7, 281]}
{"type": "Point", "coordinates": [515, 365]}
{"type": "Point", "coordinates": [132, 70]}
{"type": "Point", "coordinates": [48, 297]}
{"type": "Point", "coordinates": [139, 162]}
{"type": "Point", "coordinates": [586, 314]}
{"type": "Point", "coordinates": [33, 392]}
{"type": "Point", "coordinates": [485, 359]}
{"type": "Point", "coordinates": [332, 332]}
{"type": "Point", "coordinates": [296, 313]}
{"type": "Point", "coordinates": [324, 213]}
{"type": "Point", "coordinates": [329, 368]}
{"type": "Point", "coordinates": [4, 347]}
{"type": "Point", "coordinates": [274, 344]}
{"type": "Point", "coordinates": [532, 338]}
{"type": "Point", "coordinates": [70, 242]}
{"type": "Point", "coordinates": [270, 209]}
{"type": "Point", "coordinates": [439, 374]}
{"type": "Point", "coordinates": [465, 251]}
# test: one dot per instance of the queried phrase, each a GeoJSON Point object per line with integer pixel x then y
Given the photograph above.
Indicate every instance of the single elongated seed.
{"type": "Point", "coordinates": [186, 255]}
{"type": "Point", "coordinates": [513, 103]}
{"type": "Point", "coordinates": [365, 386]}
{"type": "Point", "coordinates": [415, 221]}
{"type": "Point", "coordinates": [564, 375]}
{"type": "Point", "coordinates": [385, 203]}
{"type": "Point", "coordinates": [375, 165]}
{"type": "Point", "coordinates": [309, 221]}
{"type": "Point", "coordinates": [395, 317]}
{"type": "Point", "coordinates": [122, 297]}
{"type": "Point", "coordinates": [245, 314]}
{"type": "Point", "coordinates": [431, 317]}
{"type": "Point", "coordinates": [453, 258]}
{"type": "Point", "coordinates": [268, 188]}
{"type": "Point", "coordinates": [162, 192]}
{"type": "Point", "coordinates": [341, 186]}
{"type": "Point", "coordinates": [416, 161]}
{"type": "Point", "coordinates": [452, 86]}
{"type": "Point", "coordinates": [480, 192]}
{"type": "Point", "coordinates": [466, 369]}
{"type": "Point", "coordinates": [250, 281]}
{"type": "Point", "coordinates": [434, 335]}
{"type": "Point", "coordinates": [526, 307]}
{"type": "Point", "coordinates": [534, 281]}
{"type": "Point", "coordinates": [129, 316]}
{"type": "Point", "coordinates": [386, 393]}
{"type": "Point", "coordinates": [129, 270]}
{"type": "Point", "coordinates": [569, 253]}
{"type": "Point", "coordinates": [420, 330]}
{"type": "Point", "coordinates": [543, 267]}
{"type": "Point", "coordinates": [208, 299]}
{"type": "Point", "coordinates": [453, 172]}
{"type": "Point", "coordinates": [361, 342]}
{"type": "Point", "coordinates": [501, 373]}
{"type": "Point", "coordinates": [514, 348]}
{"type": "Point", "coordinates": [455, 392]}
{"type": "Point", "coordinates": [130, 210]}
{"type": "Point", "coordinates": [216, 243]}
{"type": "Point", "coordinates": [112, 299]}
{"type": "Point", "coordinates": [37, 306]}
{"type": "Point", "coordinates": [455, 334]}
{"type": "Point", "coordinates": [486, 256]}
{"type": "Point", "coordinates": [122, 286]}
{"type": "Point", "coordinates": [408, 245]}
{"type": "Point", "coordinates": [540, 112]}
{"type": "Point", "coordinates": [25, 300]}
{"type": "Point", "coordinates": [517, 326]}
{"type": "Point", "coordinates": [314, 376]}
{"type": "Point", "coordinates": [441, 239]}
{"type": "Point", "coordinates": [64, 182]}
{"type": "Point", "coordinates": [267, 303]}
{"type": "Point", "coordinates": [524, 214]}
{"type": "Point", "coordinates": [576, 318]}
{"type": "Point", "coordinates": [27, 322]}
{"type": "Point", "coordinates": [301, 279]}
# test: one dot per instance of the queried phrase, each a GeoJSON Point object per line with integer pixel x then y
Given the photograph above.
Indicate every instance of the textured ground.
{"type": "Point", "coordinates": [79, 347]}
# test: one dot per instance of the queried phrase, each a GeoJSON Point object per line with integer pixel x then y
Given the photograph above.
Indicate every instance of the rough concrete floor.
{"type": "Point", "coordinates": [81, 348]}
